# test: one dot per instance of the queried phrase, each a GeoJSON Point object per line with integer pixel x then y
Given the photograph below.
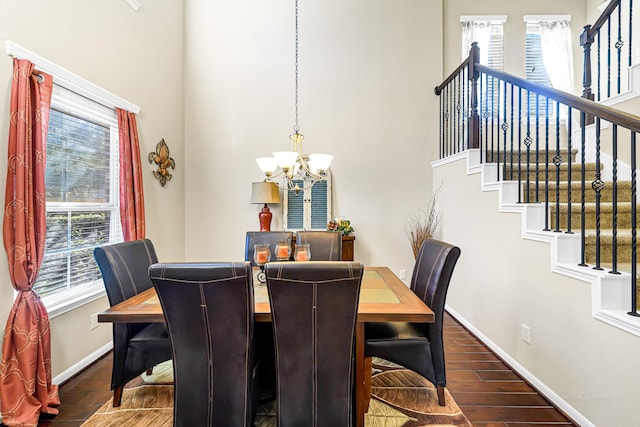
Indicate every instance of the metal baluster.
{"type": "Point", "coordinates": [465, 110]}
{"type": "Point", "coordinates": [634, 255]}
{"type": "Point", "coordinates": [445, 118]}
{"type": "Point", "coordinates": [454, 114]}
{"type": "Point", "coordinates": [492, 116]}
{"type": "Point", "coordinates": [619, 43]}
{"type": "Point", "coordinates": [609, 58]}
{"type": "Point", "coordinates": [449, 119]}
{"type": "Point", "coordinates": [583, 139]}
{"type": "Point", "coordinates": [537, 154]}
{"type": "Point", "coordinates": [614, 201]}
{"type": "Point", "coordinates": [458, 115]}
{"type": "Point", "coordinates": [527, 143]}
{"type": "Point", "coordinates": [511, 134]}
{"type": "Point", "coordinates": [598, 69]}
{"type": "Point", "coordinates": [505, 127]}
{"type": "Point", "coordinates": [630, 31]}
{"type": "Point", "coordinates": [569, 163]}
{"type": "Point", "coordinates": [441, 126]}
{"type": "Point", "coordinates": [480, 104]}
{"type": "Point", "coordinates": [546, 165]}
{"type": "Point", "coordinates": [498, 135]}
{"type": "Point", "coordinates": [519, 145]}
{"type": "Point", "coordinates": [597, 185]}
{"type": "Point", "coordinates": [557, 161]}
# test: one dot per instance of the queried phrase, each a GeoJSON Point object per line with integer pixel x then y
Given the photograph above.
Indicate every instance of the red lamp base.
{"type": "Point", "coordinates": [265, 218]}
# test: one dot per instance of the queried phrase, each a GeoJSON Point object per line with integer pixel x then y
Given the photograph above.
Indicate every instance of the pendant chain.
{"type": "Point", "coordinates": [296, 128]}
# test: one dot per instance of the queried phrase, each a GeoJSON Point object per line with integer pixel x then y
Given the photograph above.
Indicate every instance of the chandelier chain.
{"type": "Point", "coordinates": [296, 128]}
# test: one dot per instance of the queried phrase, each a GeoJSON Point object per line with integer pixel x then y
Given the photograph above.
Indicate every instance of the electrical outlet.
{"type": "Point", "coordinates": [525, 333]}
{"type": "Point", "coordinates": [94, 321]}
{"type": "Point", "coordinates": [403, 274]}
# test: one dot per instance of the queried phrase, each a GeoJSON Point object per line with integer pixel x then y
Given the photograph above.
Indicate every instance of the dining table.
{"type": "Point", "coordinates": [383, 298]}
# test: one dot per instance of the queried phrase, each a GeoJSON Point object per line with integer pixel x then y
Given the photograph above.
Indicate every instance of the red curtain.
{"type": "Point", "coordinates": [131, 191]}
{"type": "Point", "coordinates": [25, 374]}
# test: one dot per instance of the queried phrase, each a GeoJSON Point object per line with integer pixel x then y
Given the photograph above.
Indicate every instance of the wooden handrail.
{"type": "Point", "coordinates": [624, 119]}
{"type": "Point", "coordinates": [452, 76]}
{"type": "Point", "coordinates": [613, 4]}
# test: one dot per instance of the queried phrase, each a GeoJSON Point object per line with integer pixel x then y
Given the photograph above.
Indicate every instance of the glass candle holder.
{"type": "Point", "coordinates": [283, 250]}
{"type": "Point", "coordinates": [261, 255]}
{"type": "Point", "coordinates": [303, 252]}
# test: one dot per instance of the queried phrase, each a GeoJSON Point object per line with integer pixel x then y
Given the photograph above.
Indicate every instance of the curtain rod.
{"type": "Point", "coordinates": [69, 80]}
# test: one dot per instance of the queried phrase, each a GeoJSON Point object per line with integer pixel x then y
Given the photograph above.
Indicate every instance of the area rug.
{"type": "Point", "coordinates": [401, 398]}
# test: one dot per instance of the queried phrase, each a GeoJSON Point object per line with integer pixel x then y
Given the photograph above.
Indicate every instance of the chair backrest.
{"type": "Point", "coordinates": [261, 237]}
{"type": "Point", "coordinates": [209, 311]}
{"type": "Point", "coordinates": [325, 245]}
{"type": "Point", "coordinates": [314, 307]}
{"type": "Point", "coordinates": [125, 268]}
{"type": "Point", "coordinates": [430, 281]}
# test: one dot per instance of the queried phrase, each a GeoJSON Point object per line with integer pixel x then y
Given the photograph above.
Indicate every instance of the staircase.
{"type": "Point", "coordinates": [599, 252]}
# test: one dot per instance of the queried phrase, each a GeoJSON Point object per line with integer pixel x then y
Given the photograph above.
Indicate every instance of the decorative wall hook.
{"type": "Point", "coordinates": [161, 158]}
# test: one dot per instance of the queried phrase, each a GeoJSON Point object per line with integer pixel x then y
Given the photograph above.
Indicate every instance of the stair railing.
{"type": "Point", "coordinates": [519, 126]}
{"type": "Point", "coordinates": [612, 34]}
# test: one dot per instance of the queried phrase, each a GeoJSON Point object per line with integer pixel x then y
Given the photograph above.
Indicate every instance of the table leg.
{"type": "Point", "coordinates": [360, 381]}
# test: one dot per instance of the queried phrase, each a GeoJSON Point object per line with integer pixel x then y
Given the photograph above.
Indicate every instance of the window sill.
{"type": "Point", "coordinates": [67, 301]}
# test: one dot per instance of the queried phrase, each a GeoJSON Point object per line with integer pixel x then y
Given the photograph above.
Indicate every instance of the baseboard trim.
{"type": "Point", "coordinates": [73, 370]}
{"type": "Point", "coordinates": [523, 372]}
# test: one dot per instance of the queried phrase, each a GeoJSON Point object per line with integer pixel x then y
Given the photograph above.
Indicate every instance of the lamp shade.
{"type": "Point", "coordinates": [264, 192]}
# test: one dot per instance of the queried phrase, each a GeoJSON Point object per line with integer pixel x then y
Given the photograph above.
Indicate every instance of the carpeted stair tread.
{"type": "Point", "coordinates": [492, 156]}
{"type": "Point", "coordinates": [606, 194]}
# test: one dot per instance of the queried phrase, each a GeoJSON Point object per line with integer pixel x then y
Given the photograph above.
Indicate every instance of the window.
{"type": "Point", "coordinates": [82, 191]}
{"type": "Point", "coordinates": [81, 180]}
{"type": "Point", "coordinates": [311, 208]}
{"type": "Point", "coordinates": [548, 55]}
{"type": "Point", "coordinates": [487, 31]}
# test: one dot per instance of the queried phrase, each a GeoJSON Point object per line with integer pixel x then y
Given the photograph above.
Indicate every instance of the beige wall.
{"type": "Point", "coordinates": [514, 29]}
{"type": "Point", "coordinates": [137, 56]}
{"type": "Point", "coordinates": [367, 71]}
{"type": "Point", "coordinates": [502, 281]}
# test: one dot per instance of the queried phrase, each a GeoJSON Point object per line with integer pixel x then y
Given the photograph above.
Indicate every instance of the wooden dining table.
{"type": "Point", "coordinates": [383, 298]}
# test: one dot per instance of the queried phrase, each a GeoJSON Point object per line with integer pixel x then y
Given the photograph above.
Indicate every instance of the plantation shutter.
{"type": "Point", "coordinates": [295, 216]}
{"type": "Point", "coordinates": [319, 217]}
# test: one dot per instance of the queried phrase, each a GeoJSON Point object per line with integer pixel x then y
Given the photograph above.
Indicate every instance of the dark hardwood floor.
{"type": "Point", "coordinates": [489, 393]}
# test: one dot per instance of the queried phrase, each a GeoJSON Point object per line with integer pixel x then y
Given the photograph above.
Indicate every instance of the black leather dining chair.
{"type": "Point", "coordinates": [314, 307]}
{"type": "Point", "coordinates": [419, 346]}
{"type": "Point", "coordinates": [209, 311]}
{"type": "Point", "coordinates": [264, 237]}
{"type": "Point", "coordinates": [325, 245]}
{"type": "Point", "coordinates": [137, 347]}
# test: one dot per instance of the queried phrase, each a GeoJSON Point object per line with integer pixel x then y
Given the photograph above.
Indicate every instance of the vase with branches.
{"type": "Point", "coordinates": [422, 224]}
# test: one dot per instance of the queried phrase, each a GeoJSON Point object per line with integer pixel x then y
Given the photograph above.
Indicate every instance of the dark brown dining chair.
{"type": "Point", "coordinates": [137, 347]}
{"type": "Point", "coordinates": [209, 311]}
{"type": "Point", "coordinates": [264, 237]}
{"type": "Point", "coordinates": [418, 346]}
{"type": "Point", "coordinates": [314, 307]}
{"type": "Point", "coordinates": [325, 245]}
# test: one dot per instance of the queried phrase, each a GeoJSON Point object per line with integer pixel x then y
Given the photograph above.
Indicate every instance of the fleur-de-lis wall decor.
{"type": "Point", "coordinates": [161, 158]}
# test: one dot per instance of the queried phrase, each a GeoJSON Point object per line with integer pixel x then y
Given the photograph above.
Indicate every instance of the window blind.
{"type": "Point", "coordinates": [81, 190]}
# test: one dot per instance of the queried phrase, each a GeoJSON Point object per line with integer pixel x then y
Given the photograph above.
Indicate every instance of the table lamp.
{"type": "Point", "coordinates": [263, 193]}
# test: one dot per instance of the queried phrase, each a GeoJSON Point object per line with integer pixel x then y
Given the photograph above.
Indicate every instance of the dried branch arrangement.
{"type": "Point", "coordinates": [422, 224]}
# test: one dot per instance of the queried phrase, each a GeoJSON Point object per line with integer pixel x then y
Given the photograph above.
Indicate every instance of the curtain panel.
{"type": "Point", "coordinates": [25, 374]}
{"type": "Point", "coordinates": [131, 190]}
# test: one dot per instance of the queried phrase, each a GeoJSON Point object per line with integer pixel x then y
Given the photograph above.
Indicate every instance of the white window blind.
{"type": "Point", "coordinates": [81, 183]}
{"type": "Point", "coordinates": [488, 32]}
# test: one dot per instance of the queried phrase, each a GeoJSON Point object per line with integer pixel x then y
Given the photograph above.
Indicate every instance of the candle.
{"type": "Point", "coordinates": [261, 257]}
{"type": "Point", "coordinates": [283, 252]}
{"type": "Point", "coordinates": [302, 256]}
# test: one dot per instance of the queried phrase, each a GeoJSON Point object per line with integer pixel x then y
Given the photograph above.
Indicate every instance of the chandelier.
{"type": "Point", "coordinates": [287, 168]}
